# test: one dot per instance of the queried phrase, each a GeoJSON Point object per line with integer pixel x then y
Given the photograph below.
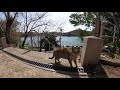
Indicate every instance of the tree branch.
{"type": "Point", "coordinates": [115, 21]}
{"type": "Point", "coordinates": [39, 25]}
{"type": "Point", "coordinates": [8, 15]}
{"type": "Point", "coordinates": [39, 17]}
{"type": "Point", "coordinates": [5, 14]}
{"type": "Point", "coordinates": [15, 15]}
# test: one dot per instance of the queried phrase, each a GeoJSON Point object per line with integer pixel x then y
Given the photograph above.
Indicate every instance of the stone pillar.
{"type": "Point", "coordinates": [97, 29]}
{"type": "Point", "coordinates": [3, 42]}
{"type": "Point", "coordinates": [91, 50]}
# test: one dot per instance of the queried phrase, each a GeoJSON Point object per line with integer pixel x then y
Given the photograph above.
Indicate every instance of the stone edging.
{"type": "Point", "coordinates": [110, 63]}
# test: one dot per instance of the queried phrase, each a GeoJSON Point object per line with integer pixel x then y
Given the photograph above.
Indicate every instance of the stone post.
{"type": "Point", "coordinates": [91, 50]}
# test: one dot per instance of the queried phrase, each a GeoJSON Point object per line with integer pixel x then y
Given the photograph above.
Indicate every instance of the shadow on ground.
{"type": "Point", "coordinates": [96, 72]}
{"type": "Point", "coordinates": [72, 75]}
{"type": "Point", "coordinates": [26, 52]}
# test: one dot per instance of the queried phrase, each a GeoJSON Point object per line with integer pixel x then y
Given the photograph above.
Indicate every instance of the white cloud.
{"type": "Point", "coordinates": [57, 18]}
{"type": "Point", "coordinates": [63, 17]}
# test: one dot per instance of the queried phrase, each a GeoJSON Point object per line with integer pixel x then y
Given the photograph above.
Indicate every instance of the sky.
{"type": "Point", "coordinates": [64, 17]}
{"type": "Point", "coordinates": [61, 17]}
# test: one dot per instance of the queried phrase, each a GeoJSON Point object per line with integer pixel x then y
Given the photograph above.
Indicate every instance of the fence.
{"type": "Point", "coordinates": [102, 29]}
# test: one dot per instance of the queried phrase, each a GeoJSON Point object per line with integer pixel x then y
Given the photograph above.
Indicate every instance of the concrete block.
{"type": "Point", "coordinates": [91, 50]}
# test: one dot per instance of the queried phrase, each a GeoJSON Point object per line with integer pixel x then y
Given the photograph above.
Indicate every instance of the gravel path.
{"type": "Point", "coordinates": [12, 68]}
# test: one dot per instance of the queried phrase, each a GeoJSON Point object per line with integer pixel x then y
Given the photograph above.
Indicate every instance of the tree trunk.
{"type": "Point", "coordinates": [7, 31]}
{"type": "Point", "coordinates": [31, 43]}
{"type": "Point", "coordinates": [23, 44]}
{"type": "Point", "coordinates": [0, 32]}
{"type": "Point", "coordinates": [41, 42]}
{"type": "Point", "coordinates": [7, 34]}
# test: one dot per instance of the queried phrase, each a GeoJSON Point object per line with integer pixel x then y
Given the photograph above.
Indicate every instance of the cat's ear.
{"type": "Point", "coordinates": [79, 47]}
{"type": "Point", "coordinates": [73, 48]}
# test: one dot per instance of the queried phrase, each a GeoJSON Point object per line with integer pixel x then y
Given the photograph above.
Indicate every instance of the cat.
{"type": "Point", "coordinates": [66, 53]}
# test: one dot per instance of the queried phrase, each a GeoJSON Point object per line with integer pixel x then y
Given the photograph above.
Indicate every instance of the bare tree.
{"type": "Point", "coordinates": [32, 23]}
{"type": "Point", "coordinates": [10, 17]}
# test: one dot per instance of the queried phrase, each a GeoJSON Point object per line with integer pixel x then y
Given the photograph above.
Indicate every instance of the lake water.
{"type": "Point", "coordinates": [65, 41]}
{"type": "Point", "coordinates": [70, 41]}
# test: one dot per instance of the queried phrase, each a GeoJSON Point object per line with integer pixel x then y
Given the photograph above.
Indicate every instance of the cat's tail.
{"type": "Point", "coordinates": [52, 57]}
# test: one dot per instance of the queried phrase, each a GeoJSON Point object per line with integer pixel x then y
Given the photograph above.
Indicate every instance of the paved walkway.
{"type": "Point", "coordinates": [36, 56]}
{"type": "Point", "coordinates": [27, 70]}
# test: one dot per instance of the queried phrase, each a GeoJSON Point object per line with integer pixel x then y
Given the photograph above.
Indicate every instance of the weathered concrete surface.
{"type": "Point", "coordinates": [91, 51]}
{"type": "Point", "coordinates": [33, 71]}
